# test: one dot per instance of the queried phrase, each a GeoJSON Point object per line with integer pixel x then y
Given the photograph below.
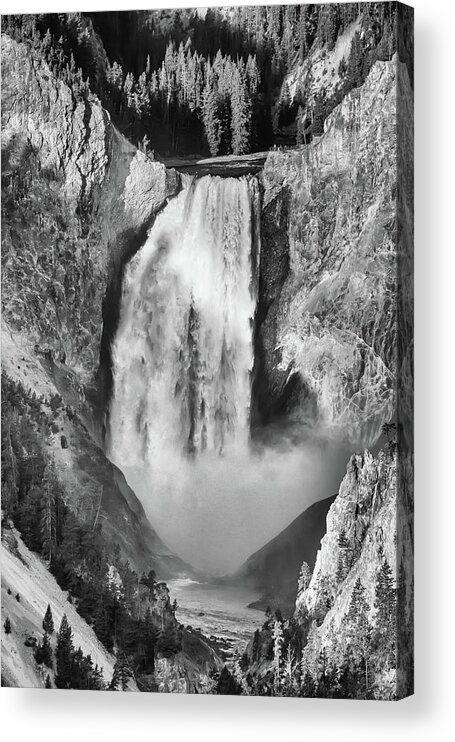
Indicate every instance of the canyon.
{"type": "Point", "coordinates": [288, 354]}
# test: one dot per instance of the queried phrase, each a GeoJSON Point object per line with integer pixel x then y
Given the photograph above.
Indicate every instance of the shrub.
{"type": "Point", "coordinates": [55, 402]}
{"type": "Point", "coordinates": [43, 652]}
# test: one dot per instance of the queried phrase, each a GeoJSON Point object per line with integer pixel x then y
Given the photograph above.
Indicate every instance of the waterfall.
{"type": "Point", "coordinates": [182, 363]}
{"type": "Point", "coordinates": [183, 352]}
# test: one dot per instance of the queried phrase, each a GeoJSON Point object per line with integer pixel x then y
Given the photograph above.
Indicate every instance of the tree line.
{"type": "Point", "coordinates": [186, 82]}
{"type": "Point", "coordinates": [187, 88]}
{"type": "Point", "coordinates": [69, 667]}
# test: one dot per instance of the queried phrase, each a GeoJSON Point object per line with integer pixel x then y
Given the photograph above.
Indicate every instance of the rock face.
{"type": "Point", "coordinates": [69, 135]}
{"type": "Point", "coordinates": [364, 515]}
{"type": "Point", "coordinates": [189, 670]}
{"type": "Point", "coordinates": [332, 328]}
{"type": "Point", "coordinates": [367, 526]}
{"type": "Point", "coordinates": [75, 195]}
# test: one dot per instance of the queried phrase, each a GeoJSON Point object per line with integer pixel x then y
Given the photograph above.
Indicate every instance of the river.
{"type": "Point", "coordinates": [217, 610]}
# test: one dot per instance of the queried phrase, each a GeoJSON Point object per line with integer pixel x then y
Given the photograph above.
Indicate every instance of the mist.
{"type": "Point", "coordinates": [215, 511]}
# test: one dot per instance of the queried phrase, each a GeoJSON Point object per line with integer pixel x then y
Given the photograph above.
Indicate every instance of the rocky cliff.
{"type": "Point", "coordinates": [367, 528]}
{"type": "Point", "coordinates": [335, 342]}
{"type": "Point", "coordinates": [327, 328]}
{"type": "Point", "coordinates": [75, 196]}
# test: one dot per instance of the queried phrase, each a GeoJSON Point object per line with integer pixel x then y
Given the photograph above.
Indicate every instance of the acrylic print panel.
{"type": "Point", "coordinates": [207, 338]}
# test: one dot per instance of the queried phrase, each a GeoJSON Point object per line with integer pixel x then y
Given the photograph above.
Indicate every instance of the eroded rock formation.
{"type": "Point", "coordinates": [76, 194]}
{"type": "Point", "coordinates": [334, 322]}
{"type": "Point", "coordinates": [368, 526]}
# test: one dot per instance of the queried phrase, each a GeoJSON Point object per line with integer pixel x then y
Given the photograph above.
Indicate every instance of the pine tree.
{"type": "Point", "coordinates": [227, 685]}
{"type": "Point", "coordinates": [97, 680]}
{"type": "Point", "coordinates": [256, 646]}
{"type": "Point", "coordinates": [101, 624]}
{"type": "Point", "coordinates": [304, 578]}
{"type": "Point", "coordinates": [308, 689]}
{"type": "Point", "coordinates": [239, 676]}
{"type": "Point", "coordinates": [48, 683]}
{"type": "Point", "coordinates": [43, 652]}
{"type": "Point", "coordinates": [328, 24]}
{"type": "Point", "coordinates": [128, 90]}
{"type": "Point", "coordinates": [48, 621]}
{"type": "Point", "coordinates": [386, 616]}
{"type": "Point", "coordinates": [7, 625]}
{"type": "Point", "coordinates": [277, 656]}
{"type": "Point", "coordinates": [77, 677]}
{"type": "Point", "coordinates": [122, 673]}
{"type": "Point", "coordinates": [385, 595]}
{"type": "Point", "coordinates": [354, 71]}
{"type": "Point", "coordinates": [9, 472]}
{"type": "Point", "coordinates": [146, 642]}
{"type": "Point", "coordinates": [63, 654]}
{"type": "Point", "coordinates": [359, 631]}
{"type": "Point", "coordinates": [69, 549]}
{"type": "Point", "coordinates": [241, 114]}
{"type": "Point", "coordinates": [48, 516]}
{"type": "Point", "coordinates": [211, 119]}
{"type": "Point", "coordinates": [318, 115]}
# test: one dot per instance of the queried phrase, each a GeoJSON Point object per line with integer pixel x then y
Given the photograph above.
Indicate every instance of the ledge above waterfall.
{"type": "Point", "coordinates": [226, 166]}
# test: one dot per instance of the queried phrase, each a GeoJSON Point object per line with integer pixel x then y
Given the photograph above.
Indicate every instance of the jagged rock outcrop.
{"type": "Point", "coordinates": [189, 670]}
{"type": "Point", "coordinates": [334, 323]}
{"type": "Point", "coordinates": [367, 526]}
{"type": "Point", "coordinates": [361, 525]}
{"type": "Point", "coordinates": [75, 195]}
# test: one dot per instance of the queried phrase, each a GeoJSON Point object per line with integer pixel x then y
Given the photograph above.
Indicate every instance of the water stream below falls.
{"type": "Point", "coordinates": [220, 611]}
{"type": "Point", "coordinates": [182, 365]}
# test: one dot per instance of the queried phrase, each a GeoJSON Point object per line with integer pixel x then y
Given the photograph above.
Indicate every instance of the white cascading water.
{"type": "Point", "coordinates": [182, 362]}
{"type": "Point", "coordinates": [183, 351]}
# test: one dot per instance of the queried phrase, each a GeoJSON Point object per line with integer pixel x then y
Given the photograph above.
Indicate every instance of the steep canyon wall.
{"type": "Point", "coordinates": [78, 202]}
